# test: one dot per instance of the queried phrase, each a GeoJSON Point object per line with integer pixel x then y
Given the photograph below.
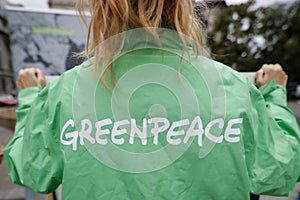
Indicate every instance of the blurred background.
{"type": "Point", "coordinates": [248, 35]}
{"type": "Point", "coordinates": [242, 34]}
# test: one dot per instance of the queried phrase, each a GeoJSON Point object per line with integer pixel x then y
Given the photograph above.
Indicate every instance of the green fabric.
{"type": "Point", "coordinates": [262, 159]}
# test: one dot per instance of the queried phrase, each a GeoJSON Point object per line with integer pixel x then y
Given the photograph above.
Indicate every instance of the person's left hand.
{"type": "Point", "coordinates": [30, 78]}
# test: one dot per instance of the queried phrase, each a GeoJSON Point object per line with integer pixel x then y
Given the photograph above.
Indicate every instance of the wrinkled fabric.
{"type": "Point", "coordinates": [262, 159]}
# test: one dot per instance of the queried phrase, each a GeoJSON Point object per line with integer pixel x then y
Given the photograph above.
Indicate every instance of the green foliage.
{"type": "Point", "coordinates": [245, 37]}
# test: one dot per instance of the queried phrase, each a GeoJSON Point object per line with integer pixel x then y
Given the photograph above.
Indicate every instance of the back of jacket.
{"type": "Point", "coordinates": [164, 127]}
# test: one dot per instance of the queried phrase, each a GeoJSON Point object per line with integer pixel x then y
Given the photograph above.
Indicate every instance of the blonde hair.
{"type": "Point", "coordinates": [111, 17]}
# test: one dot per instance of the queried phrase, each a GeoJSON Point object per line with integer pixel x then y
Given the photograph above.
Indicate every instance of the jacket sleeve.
{"type": "Point", "coordinates": [33, 155]}
{"type": "Point", "coordinates": [274, 158]}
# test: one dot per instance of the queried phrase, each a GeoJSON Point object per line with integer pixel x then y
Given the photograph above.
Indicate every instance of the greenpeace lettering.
{"type": "Point", "coordinates": [175, 133]}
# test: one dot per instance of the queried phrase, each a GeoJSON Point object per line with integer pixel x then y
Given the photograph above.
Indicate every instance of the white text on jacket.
{"type": "Point", "coordinates": [175, 133]}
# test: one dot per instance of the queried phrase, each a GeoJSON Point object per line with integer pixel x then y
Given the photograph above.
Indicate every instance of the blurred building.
{"type": "Point", "coordinates": [6, 70]}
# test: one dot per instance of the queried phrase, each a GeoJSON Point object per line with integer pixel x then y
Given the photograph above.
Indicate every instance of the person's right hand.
{"type": "Point", "coordinates": [270, 72]}
{"type": "Point", "coordinates": [30, 78]}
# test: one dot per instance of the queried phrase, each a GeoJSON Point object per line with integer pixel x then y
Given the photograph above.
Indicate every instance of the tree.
{"type": "Point", "coordinates": [245, 36]}
{"type": "Point", "coordinates": [281, 30]}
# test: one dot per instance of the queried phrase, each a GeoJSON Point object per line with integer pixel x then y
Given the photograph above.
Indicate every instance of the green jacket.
{"type": "Point", "coordinates": [204, 133]}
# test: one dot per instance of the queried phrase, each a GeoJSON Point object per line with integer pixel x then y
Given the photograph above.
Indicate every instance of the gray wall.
{"type": "Point", "coordinates": [6, 71]}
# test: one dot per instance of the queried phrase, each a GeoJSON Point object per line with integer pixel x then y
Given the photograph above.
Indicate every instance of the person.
{"type": "Point", "coordinates": [147, 117]}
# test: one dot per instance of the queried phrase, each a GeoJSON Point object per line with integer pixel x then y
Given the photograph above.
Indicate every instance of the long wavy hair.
{"type": "Point", "coordinates": [111, 17]}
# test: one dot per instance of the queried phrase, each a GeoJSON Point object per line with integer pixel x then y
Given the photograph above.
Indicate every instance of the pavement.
{"type": "Point", "coordinates": [295, 107]}
{"type": "Point", "coordinates": [10, 191]}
